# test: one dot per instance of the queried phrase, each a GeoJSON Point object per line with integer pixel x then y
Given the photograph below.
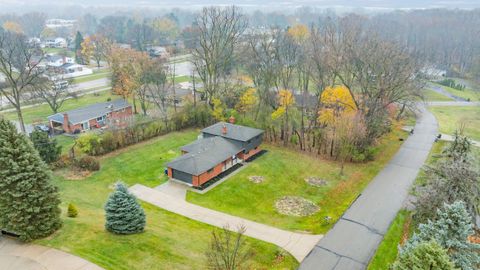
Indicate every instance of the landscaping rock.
{"type": "Point", "coordinates": [315, 181]}
{"type": "Point", "coordinates": [256, 179]}
{"type": "Point", "coordinates": [296, 206]}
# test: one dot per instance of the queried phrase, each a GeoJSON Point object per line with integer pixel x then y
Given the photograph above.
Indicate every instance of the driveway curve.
{"type": "Point", "coordinates": [352, 242]}
{"type": "Point", "coordinates": [15, 255]}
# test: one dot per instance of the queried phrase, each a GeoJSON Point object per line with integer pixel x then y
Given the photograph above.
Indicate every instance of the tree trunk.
{"type": "Point", "coordinates": [20, 119]}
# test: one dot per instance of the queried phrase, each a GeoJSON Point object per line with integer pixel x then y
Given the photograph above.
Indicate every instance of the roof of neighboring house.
{"type": "Point", "coordinates": [204, 154]}
{"type": "Point", "coordinates": [93, 111]}
{"type": "Point", "coordinates": [234, 132]}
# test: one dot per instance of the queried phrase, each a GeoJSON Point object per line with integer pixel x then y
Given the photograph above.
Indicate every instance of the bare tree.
{"type": "Point", "coordinates": [53, 92]}
{"type": "Point", "coordinates": [228, 250]}
{"type": "Point", "coordinates": [19, 64]}
{"type": "Point", "coordinates": [219, 34]}
{"type": "Point", "coordinates": [158, 89]}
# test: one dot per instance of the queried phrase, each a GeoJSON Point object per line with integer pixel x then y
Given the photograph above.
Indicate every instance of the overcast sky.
{"type": "Point", "coordinates": [267, 3]}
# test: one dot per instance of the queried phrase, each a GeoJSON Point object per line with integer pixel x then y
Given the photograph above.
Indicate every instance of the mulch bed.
{"type": "Point", "coordinates": [296, 206]}
{"type": "Point", "coordinates": [256, 179]}
{"type": "Point", "coordinates": [315, 181]}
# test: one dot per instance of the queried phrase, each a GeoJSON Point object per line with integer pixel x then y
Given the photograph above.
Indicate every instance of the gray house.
{"type": "Point", "coordinates": [220, 147]}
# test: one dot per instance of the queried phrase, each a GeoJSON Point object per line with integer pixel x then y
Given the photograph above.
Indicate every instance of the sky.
{"type": "Point", "coordinates": [257, 4]}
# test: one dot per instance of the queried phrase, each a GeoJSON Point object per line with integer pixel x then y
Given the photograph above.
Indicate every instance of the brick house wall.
{"type": "Point", "coordinates": [93, 123]}
{"type": "Point", "coordinates": [198, 180]}
{"type": "Point", "coordinates": [246, 156]}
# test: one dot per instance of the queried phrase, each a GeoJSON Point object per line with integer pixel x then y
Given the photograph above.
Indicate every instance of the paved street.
{"type": "Point", "coordinates": [15, 255]}
{"type": "Point", "coordinates": [296, 244]}
{"type": "Point", "coordinates": [351, 243]}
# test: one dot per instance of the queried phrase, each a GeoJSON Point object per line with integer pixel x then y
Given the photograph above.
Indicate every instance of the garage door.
{"type": "Point", "coordinates": [182, 176]}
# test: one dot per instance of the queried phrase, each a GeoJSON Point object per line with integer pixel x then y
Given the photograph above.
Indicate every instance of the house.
{"type": "Point", "coordinates": [158, 51]}
{"type": "Point", "coordinates": [71, 70]}
{"type": "Point", "coordinates": [219, 148]}
{"type": "Point", "coordinates": [56, 60]}
{"type": "Point", "coordinates": [94, 116]}
{"type": "Point", "coordinates": [55, 42]}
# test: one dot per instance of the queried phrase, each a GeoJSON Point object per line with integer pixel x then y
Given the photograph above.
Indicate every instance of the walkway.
{"type": "Point", "coordinates": [19, 256]}
{"type": "Point", "coordinates": [296, 243]}
{"type": "Point", "coordinates": [351, 243]}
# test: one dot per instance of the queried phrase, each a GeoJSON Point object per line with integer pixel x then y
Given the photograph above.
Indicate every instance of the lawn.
{"type": "Point", "coordinates": [431, 95]}
{"type": "Point", "coordinates": [451, 118]}
{"type": "Point", "coordinates": [284, 171]}
{"type": "Point", "coordinates": [466, 93]}
{"type": "Point", "coordinates": [62, 51]}
{"type": "Point", "coordinates": [388, 249]}
{"type": "Point", "coordinates": [39, 113]}
{"type": "Point", "coordinates": [95, 76]}
{"type": "Point", "coordinates": [65, 142]}
{"type": "Point", "coordinates": [170, 241]}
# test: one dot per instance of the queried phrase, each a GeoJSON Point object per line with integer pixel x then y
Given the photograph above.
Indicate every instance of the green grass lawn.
{"type": "Point", "coordinates": [387, 250]}
{"type": "Point", "coordinates": [91, 77]}
{"type": "Point", "coordinates": [181, 79]}
{"type": "Point", "coordinates": [284, 171]}
{"type": "Point", "coordinates": [466, 93]}
{"type": "Point", "coordinates": [431, 95]}
{"type": "Point", "coordinates": [451, 118]}
{"type": "Point", "coordinates": [65, 142]}
{"type": "Point", "coordinates": [39, 113]}
{"type": "Point", "coordinates": [170, 241]}
{"type": "Point", "coordinates": [62, 51]}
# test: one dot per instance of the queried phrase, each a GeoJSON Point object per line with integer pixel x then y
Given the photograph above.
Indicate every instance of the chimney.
{"type": "Point", "coordinates": [66, 126]}
{"type": "Point", "coordinates": [224, 129]}
{"type": "Point", "coordinates": [231, 120]}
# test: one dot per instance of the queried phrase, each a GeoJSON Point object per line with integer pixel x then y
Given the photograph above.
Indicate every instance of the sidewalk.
{"type": "Point", "coordinates": [296, 243]}
{"type": "Point", "coordinates": [15, 255]}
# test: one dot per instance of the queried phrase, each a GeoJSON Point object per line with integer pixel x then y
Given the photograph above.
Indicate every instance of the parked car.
{"type": "Point", "coordinates": [42, 127]}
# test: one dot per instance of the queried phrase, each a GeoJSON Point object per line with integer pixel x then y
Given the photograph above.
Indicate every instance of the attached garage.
{"type": "Point", "coordinates": [182, 176]}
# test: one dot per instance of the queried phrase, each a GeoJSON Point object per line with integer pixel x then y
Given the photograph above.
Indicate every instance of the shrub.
{"type": "Point", "coordinates": [426, 255]}
{"type": "Point", "coordinates": [72, 211]}
{"type": "Point", "coordinates": [123, 213]}
{"type": "Point", "coordinates": [47, 148]}
{"type": "Point", "coordinates": [88, 163]}
{"type": "Point", "coordinates": [452, 84]}
{"type": "Point", "coordinates": [63, 162]}
{"type": "Point", "coordinates": [90, 143]}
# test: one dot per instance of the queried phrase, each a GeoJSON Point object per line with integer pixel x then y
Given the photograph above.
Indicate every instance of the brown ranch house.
{"type": "Point", "coordinates": [90, 117]}
{"type": "Point", "coordinates": [220, 147]}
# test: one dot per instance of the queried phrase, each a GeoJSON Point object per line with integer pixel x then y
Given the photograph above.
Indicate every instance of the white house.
{"type": "Point", "coordinates": [71, 70]}
{"type": "Point", "coordinates": [55, 42]}
{"type": "Point", "coordinates": [57, 60]}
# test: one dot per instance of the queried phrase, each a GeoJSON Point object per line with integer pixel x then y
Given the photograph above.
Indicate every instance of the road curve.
{"type": "Point", "coordinates": [352, 242]}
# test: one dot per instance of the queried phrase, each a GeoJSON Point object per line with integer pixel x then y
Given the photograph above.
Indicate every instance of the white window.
{"type": "Point", "coordinates": [86, 125]}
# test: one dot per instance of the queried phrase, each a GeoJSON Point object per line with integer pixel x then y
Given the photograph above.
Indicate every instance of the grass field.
{"type": "Point", "coordinates": [451, 118]}
{"type": "Point", "coordinates": [39, 113]}
{"type": "Point", "coordinates": [170, 241]}
{"type": "Point", "coordinates": [65, 142]}
{"type": "Point", "coordinates": [95, 76]}
{"type": "Point", "coordinates": [466, 93]}
{"type": "Point", "coordinates": [284, 171]}
{"type": "Point", "coordinates": [431, 95]}
{"type": "Point", "coordinates": [387, 250]}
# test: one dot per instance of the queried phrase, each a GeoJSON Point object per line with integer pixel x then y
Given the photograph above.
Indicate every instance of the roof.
{"type": "Point", "coordinates": [234, 132]}
{"type": "Point", "coordinates": [90, 112]}
{"type": "Point", "coordinates": [204, 154]}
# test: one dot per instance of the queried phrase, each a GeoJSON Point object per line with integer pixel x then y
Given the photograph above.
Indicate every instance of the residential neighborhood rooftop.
{"type": "Point", "coordinates": [204, 154]}
{"type": "Point", "coordinates": [83, 114]}
{"type": "Point", "coordinates": [234, 132]}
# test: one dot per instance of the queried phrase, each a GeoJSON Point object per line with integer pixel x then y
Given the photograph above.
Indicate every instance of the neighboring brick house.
{"type": "Point", "coordinates": [220, 147]}
{"type": "Point", "coordinates": [90, 117]}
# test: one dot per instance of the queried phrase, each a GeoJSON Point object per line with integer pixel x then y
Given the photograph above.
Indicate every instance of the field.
{"type": "Point", "coordinates": [469, 94]}
{"type": "Point", "coordinates": [431, 95]}
{"type": "Point", "coordinates": [284, 173]}
{"type": "Point", "coordinates": [170, 241]}
{"type": "Point", "coordinates": [39, 113]}
{"type": "Point", "coordinates": [451, 118]}
{"type": "Point", "coordinates": [95, 76]}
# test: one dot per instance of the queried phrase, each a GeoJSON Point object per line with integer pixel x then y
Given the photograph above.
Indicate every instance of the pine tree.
{"type": "Point", "coordinates": [78, 48]}
{"type": "Point", "coordinates": [28, 201]}
{"type": "Point", "coordinates": [72, 210]}
{"type": "Point", "coordinates": [47, 148]}
{"type": "Point", "coordinates": [123, 213]}
{"type": "Point", "coordinates": [450, 230]}
{"type": "Point", "coordinates": [424, 256]}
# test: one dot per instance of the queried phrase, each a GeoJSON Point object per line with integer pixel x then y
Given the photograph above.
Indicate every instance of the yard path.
{"type": "Point", "coordinates": [352, 242]}
{"type": "Point", "coordinates": [297, 244]}
{"type": "Point", "coordinates": [19, 256]}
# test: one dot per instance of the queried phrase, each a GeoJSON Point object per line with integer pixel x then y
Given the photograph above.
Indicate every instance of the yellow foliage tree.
{"type": "Point", "coordinates": [247, 101]}
{"type": "Point", "coordinates": [299, 32]}
{"type": "Point", "coordinates": [285, 100]}
{"type": "Point", "coordinates": [12, 27]}
{"type": "Point", "coordinates": [336, 103]}
{"type": "Point", "coordinates": [166, 26]}
{"type": "Point", "coordinates": [218, 109]}
{"type": "Point", "coordinates": [87, 49]}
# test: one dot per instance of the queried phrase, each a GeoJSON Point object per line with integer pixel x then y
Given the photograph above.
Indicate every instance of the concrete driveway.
{"type": "Point", "coordinates": [15, 255]}
{"type": "Point", "coordinates": [352, 242]}
{"type": "Point", "coordinates": [296, 244]}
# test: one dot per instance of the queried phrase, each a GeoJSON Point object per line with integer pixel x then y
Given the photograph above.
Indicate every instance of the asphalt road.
{"type": "Point", "coordinates": [352, 242]}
